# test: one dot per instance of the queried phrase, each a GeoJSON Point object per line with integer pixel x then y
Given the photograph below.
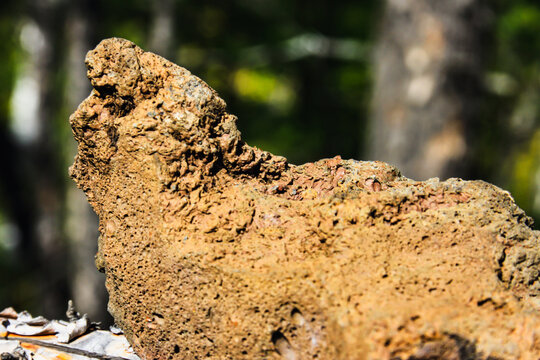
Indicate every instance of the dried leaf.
{"type": "Point", "coordinates": [22, 328]}
{"type": "Point", "coordinates": [9, 313]}
{"type": "Point", "coordinates": [65, 332]}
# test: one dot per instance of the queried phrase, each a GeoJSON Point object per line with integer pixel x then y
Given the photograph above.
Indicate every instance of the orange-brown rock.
{"type": "Point", "coordinates": [217, 250]}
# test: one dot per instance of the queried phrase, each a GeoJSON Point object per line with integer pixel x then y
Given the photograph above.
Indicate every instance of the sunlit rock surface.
{"type": "Point", "coordinates": [217, 250]}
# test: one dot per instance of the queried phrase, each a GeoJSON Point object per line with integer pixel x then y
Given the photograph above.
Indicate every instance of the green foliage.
{"type": "Point", "coordinates": [9, 49]}
{"type": "Point", "coordinates": [515, 107]}
{"type": "Point", "coordinates": [518, 30]}
{"type": "Point", "coordinates": [525, 181]}
{"type": "Point", "coordinates": [264, 87]}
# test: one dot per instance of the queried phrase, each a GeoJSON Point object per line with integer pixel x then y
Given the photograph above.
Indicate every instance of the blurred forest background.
{"type": "Point", "coordinates": [439, 88]}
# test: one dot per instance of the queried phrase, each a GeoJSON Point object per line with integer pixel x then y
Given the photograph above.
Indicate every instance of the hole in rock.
{"type": "Point", "coordinates": [282, 345]}
{"type": "Point", "coordinates": [297, 317]}
{"type": "Point", "coordinates": [483, 301]}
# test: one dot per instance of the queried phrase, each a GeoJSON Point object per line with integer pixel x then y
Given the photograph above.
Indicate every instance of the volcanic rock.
{"type": "Point", "coordinates": [214, 249]}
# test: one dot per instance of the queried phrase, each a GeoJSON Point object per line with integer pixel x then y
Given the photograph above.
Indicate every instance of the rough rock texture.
{"type": "Point", "coordinates": [217, 250]}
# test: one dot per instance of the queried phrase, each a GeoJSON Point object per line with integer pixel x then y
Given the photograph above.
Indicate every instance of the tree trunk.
{"type": "Point", "coordinates": [428, 65]}
{"type": "Point", "coordinates": [33, 125]}
{"type": "Point", "coordinates": [162, 30]}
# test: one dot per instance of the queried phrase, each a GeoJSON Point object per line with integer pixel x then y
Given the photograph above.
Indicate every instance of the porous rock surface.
{"type": "Point", "coordinates": [217, 250]}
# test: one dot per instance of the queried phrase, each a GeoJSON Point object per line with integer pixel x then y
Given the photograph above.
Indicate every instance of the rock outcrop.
{"type": "Point", "coordinates": [214, 249]}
